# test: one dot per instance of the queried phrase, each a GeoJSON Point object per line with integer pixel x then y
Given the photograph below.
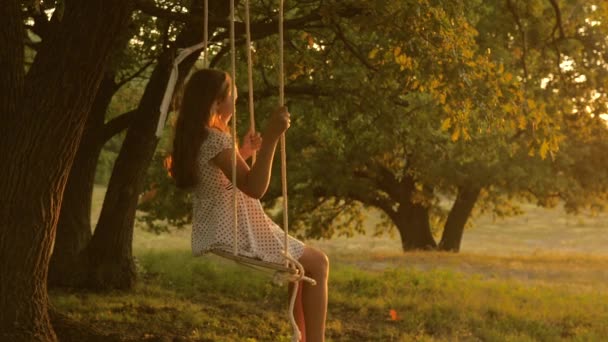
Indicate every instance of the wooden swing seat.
{"type": "Point", "coordinates": [253, 262]}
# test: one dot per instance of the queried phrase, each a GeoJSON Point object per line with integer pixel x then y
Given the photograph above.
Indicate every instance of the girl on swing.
{"type": "Point", "coordinates": [202, 163]}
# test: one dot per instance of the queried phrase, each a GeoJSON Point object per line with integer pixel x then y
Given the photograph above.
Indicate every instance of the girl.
{"type": "Point", "coordinates": [202, 163]}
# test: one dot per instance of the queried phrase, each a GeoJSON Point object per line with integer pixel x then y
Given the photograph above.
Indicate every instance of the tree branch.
{"type": "Point", "coordinates": [295, 90]}
{"type": "Point", "coordinates": [562, 36]}
{"type": "Point", "coordinates": [148, 7]}
{"type": "Point", "coordinates": [350, 47]}
{"type": "Point", "coordinates": [524, 38]}
{"type": "Point", "coordinates": [375, 201]}
{"type": "Point", "coordinates": [264, 28]}
{"type": "Point", "coordinates": [135, 74]}
{"type": "Point", "coordinates": [538, 196]}
{"type": "Point", "coordinates": [218, 56]}
{"type": "Point", "coordinates": [117, 125]}
{"type": "Point", "coordinates": [368, 198]}
{"type": "Point", "coordinates": [259, 29]}
{"type": "Point", "coordinates": [194, 18]}
{"type": "Point", "coordinates": [42, 25]}
{"type": "Point", "coordinates": [558, 19]}
{"type": "Point", "coordinates": [382, 178]}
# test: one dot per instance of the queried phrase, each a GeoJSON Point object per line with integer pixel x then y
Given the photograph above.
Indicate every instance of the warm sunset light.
{"type": "Point", "coordinates": [303, 171]}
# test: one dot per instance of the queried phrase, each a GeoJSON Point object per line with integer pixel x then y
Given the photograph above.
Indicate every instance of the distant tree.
{"type": "Point", "coordinates": [420, 113]}
{"type": "Point", "coordinates": [505, 129]}
{"type": "Point", "coordinates": [433, 105]}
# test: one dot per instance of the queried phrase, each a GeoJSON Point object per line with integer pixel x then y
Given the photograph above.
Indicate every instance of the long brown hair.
{"type": "Point", "coordinates": [203, 88]}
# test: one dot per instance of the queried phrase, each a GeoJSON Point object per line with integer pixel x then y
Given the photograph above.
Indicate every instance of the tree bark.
{"type": "Point", "coordinates": [457, 218]}
{"type": "Point", "coordinates": [38, 143]}
{"type": "Point", "coordinates": [411, 218]}
{"type": "Point", "coordinates": [109, 254]}
{"type": "Point", "coordinates": [68, 267]}
{"type": "Point", "coordinates": [11, 59]}
{"type": "Point", "coordinates": [414, 227]}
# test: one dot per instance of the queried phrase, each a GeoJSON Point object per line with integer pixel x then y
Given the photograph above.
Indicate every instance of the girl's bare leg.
{"type": "Point", "coordinates": [314, 298]}
{"type": "Point", "coordinates": [298, 310]}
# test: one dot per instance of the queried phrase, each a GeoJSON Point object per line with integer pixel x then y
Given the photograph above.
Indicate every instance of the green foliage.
{"type": "Point", "coordinates": [445, 94]}
{"type": "Point", "coordinates": [416, 99]}
{"type": "Point", "coordinates": [161, 192]}
{"type": "Point", "coordinates": [563, 69]}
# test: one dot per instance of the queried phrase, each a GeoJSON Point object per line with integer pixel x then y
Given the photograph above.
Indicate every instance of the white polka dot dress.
{"type": "Point", "coordinates": [212, 220]}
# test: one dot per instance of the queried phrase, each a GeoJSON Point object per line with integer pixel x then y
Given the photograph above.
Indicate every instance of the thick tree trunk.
{"type": "Point", "coordinates": [457, 219]}
{"type": "Point", "coordinates": [109, 252]}
{"type": "Point", "coordinates": [38, 143]}
{"type": "Point", "coordinates": [414, 227]}
{"type": "Point", "coordinates": [110, 257]}
{"type": "Point", "coordinates": [410, 218]}
{"type": "Point", "coordinates": [67, 267]}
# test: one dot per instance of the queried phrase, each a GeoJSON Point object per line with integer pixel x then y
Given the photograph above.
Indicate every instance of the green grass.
{"type": "Point", "coordinates": [210, 299]}
{"type": "Point", "coordinates": [179, 295]}
{"type": "Point", "coordinates": [508, 284]}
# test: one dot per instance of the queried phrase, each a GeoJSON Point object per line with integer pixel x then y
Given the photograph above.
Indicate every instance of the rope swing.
{"type": "Point", "coordinates": [291, 270]}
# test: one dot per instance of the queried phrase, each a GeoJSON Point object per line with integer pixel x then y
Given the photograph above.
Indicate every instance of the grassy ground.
{"type": "Point", "coordinates": [511, 283]}
{"type": "Point", "coordinates": [209, 299]}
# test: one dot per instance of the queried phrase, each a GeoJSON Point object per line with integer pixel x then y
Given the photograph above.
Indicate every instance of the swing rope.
{"type": "Point", "coordinates": [249, 74]}
{"type": "Point", "coordinates": [283, 151]}
{"type": "Point", "coordinates": [235, 247]}
{"type": "Point", "coordinates": [296, 282]}
{"type": "Point", "coordinates": [290, 262]}
{"type": "Point", "coordinates": [205, 32]}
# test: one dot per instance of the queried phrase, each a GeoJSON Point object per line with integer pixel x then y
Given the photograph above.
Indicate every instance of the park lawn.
{"type": "Point", "coordinates": [181, 298]}
{"type": "Point", "coordinates": [508, 284]}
